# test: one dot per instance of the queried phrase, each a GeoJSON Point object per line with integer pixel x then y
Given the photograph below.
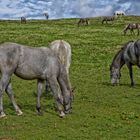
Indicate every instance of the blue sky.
{"type": "Point", "coordinates": [34, 9]}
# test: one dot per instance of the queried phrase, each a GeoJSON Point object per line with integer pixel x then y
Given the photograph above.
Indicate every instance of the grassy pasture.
{"type": "Point", "coordinates": [100, 111]}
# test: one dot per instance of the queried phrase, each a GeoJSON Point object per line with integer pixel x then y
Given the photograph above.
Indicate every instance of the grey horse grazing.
{"type": "Point", "coordinates": [63, 51]}
{"type": "Point", "coordinates": [129, 55]}
{"type": "Point", "coordinates": [83, 21]}
{"type": "Point", "coordinates": [132, 27]}
{"type": "Point", "coordinates": [109, 18]}
{"type": "Point", "coordinates": [34, 63]}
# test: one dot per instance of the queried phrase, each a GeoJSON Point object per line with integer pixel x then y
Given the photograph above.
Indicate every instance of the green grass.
{"type": "Point", "coordinates": [100, 111]}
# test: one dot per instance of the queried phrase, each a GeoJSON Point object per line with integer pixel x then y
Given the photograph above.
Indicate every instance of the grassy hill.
{"type": "Point", "coordinates": [100, 111]}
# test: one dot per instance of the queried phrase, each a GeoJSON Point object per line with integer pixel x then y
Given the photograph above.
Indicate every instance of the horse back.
{"type": "Point", "coordinates": [131, 53]}
{"type": "Point", "coordinates": [63, 50]}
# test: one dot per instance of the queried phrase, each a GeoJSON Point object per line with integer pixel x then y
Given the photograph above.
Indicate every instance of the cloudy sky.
{"type": "Point", "coordinates": [34, 9]}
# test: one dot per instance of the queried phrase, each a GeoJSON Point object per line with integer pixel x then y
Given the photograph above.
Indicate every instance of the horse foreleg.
{"type": "Point", "coordinates": [131, 73]}
{"type": "Point", "coordinates": [65, 88]}
{"type": "Point", "coordinates": [39, 93]}
{"type": "Point", "coordinates": [57, 95]}
{"type": "Point", "coordinates": [3, 84]}
{"type": "Point", "coordinates": [132, 32]}
{"type": "Point", "coordinates": [10, 93]}
{"type": "Point", "coordinates": [124, 31]}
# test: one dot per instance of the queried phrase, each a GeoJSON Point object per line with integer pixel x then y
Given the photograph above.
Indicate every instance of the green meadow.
{"type": "Point", "coordinates": [100, 111]}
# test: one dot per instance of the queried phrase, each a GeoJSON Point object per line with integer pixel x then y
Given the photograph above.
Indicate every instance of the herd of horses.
{"type": "Point", "coordinates": [130, 27]}
{"type": "Point", "coordinates": [129, 53]}
{"type": "Point", "coordinates": [50, 65]}
{"type": "Point", "coordinates": [85, 21]}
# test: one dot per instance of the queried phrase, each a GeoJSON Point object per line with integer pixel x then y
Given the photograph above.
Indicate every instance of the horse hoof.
{"type": "Point", "coordinates": [19, 112]}
{"type": "Point", "coordinates": [2, 115]}
{"type": "Point", "coordinates": [62, 115]}
{"type": "Point", "coordinates": [40, 113]}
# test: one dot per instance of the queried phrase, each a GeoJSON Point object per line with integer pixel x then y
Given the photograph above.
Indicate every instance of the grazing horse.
{"type": "Point", "coordinates": [106, 19]}
{"type": "Point", "coordinates": [83, 21]}
{"type": "Point", "coordinates": [63, 50]}
{"type": "Point", "coordinates": [34, 63]}
{"type": "Point", "coordinates": [23, 20]}
{"type": "Point", "coordinates": [132, 27]}
{"type": "Point", "coordinates": [129, 55]}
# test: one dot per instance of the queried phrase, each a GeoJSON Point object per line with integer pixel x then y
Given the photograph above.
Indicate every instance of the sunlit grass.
{"type": "Point", "coordinates": [100, 111]}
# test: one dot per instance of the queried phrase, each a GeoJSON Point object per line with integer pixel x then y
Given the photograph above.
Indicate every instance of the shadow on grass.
{"type": "Point", "coordinates": [122, 84]}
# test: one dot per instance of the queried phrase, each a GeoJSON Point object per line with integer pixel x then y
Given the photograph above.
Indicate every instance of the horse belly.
{"type": "Point", "coordinates": [27, 74]}
{"type": "Point", "coordinates": [130, 55]}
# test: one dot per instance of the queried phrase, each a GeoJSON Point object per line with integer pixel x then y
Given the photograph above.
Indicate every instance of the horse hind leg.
{"type": "Point", "coordinates": [3, 84]}
{"type": "Point", "coordinates": [39, 93]}
{"type": "Point", "coordinates": [10, 93]}
{"type": "Point", "coordinates": [131, 73]}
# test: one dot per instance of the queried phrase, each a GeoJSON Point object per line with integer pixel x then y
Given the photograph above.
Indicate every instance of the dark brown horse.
{"type": "Point", "coordinates": [132, 27]}
{"type": "Point", "coordinates": [46, 15]}
{"type": "Point", "coordinates": [83, 21]}
{"type": "Point", "coordinates": [23, 20]}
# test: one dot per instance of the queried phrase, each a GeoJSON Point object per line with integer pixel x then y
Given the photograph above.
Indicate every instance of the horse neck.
{"type": "Point", "coordinates": [118, 60]}
{"type": "Point", "coordinates": [127, 28]}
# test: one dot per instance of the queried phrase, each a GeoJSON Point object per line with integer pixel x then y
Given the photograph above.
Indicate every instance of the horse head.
{"type": "Point", "coordinates": [67, 103]}
{"type": "Point", "coordinates": [115, 76]}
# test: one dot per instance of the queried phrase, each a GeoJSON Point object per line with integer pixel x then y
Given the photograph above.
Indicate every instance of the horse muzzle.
{"type": "Point", "coordinates": [68, 111]}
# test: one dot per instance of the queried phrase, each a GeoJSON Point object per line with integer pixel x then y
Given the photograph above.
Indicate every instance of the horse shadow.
{"type": "Point", "coordinates": [121, 84]}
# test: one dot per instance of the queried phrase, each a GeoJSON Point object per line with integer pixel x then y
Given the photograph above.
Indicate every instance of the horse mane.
{"type": "Point", "coordinates": [120, 52]}
{"type": "Point", "coordinates": [125, 45]}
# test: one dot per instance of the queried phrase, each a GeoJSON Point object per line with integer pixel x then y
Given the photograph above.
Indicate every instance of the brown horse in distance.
{"type": "Point", "coordinates": [132, 27]}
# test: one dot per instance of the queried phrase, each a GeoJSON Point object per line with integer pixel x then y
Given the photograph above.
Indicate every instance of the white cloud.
{"type": "Point", "coordinates": [13, 9]}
